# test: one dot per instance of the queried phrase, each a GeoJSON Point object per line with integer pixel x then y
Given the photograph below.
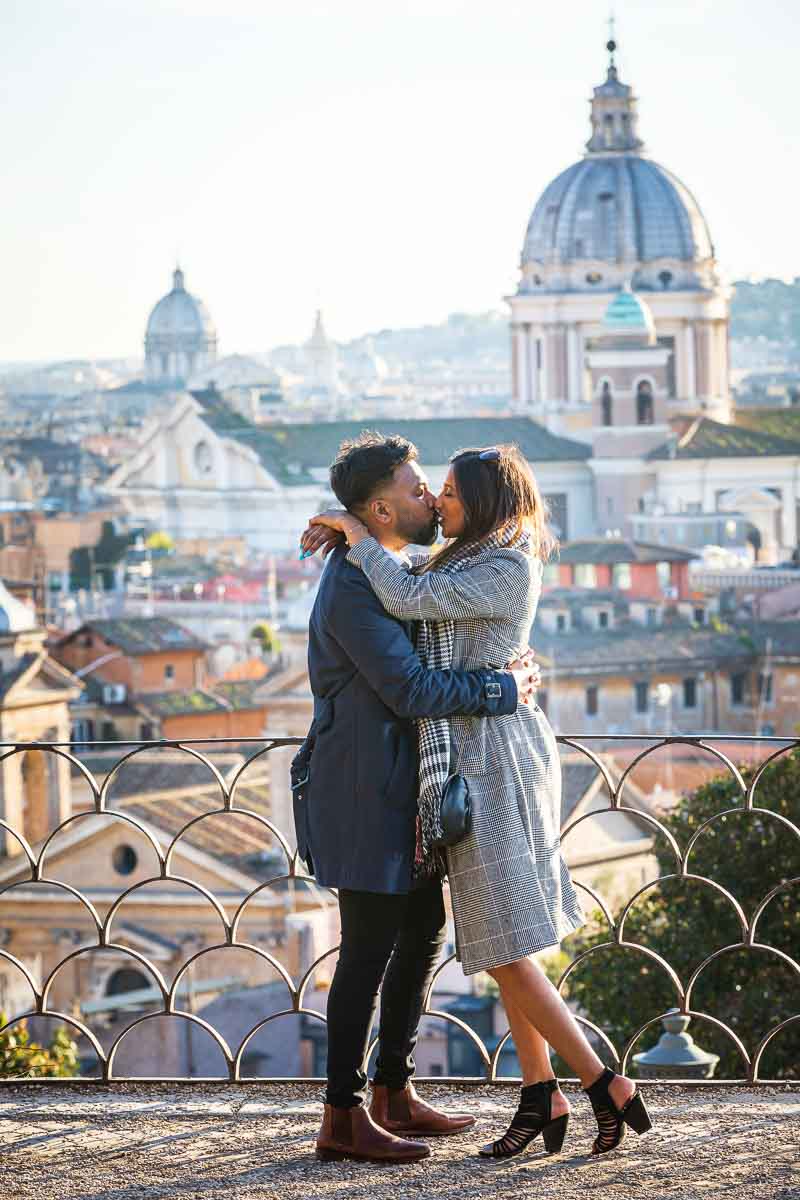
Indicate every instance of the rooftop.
{"type": "Point", "coordinates": [639, 645]}
{"type": "Point", "coordinates": [620, 550]}
{"type": "Point", "coordinates": [292, 452]}
{"type": "Point", "coordinates": [754, 433]}
{"type": "Point", "coordinates": [214, 1141]}
{"type": "Point", "coordinates": [141, 635]}
{"type": "Point", "coordinates": [223, 697]}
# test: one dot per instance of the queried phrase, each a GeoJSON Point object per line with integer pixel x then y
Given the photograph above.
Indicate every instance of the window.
{"type": "Point", "coordinates": [591, 701]}
{"type": "Point", "coordinates": [146, 731]}
{"type": "Point", "coordinates": [602, 620]}
{"type": "Point", "coordinates": [651, 617]}
{"type": "Point", "coordinates": [585, 575]}
{"type": "Point", "coordinates": [621, 575]}
{"type": "Point", "coordinates": [607, 404]}
{"type": "Point", "coordinates": [699, 616]}
{"type": "Point", "coordinates": [665, 278]}
{"type": "Point", "coordinates": [738, 688]}
{"type": "Point", "coordinates": [107, 731]}
{"type": "Point", "coordinates": [644, 403]}
{"type": "Point", "coordinates": [169, 673]}
{"type": "Point", "coordinates": [550, 575]}
{"type": "Point", "coordinates": [664, 574]}
{"type": "Point", "coordinates": [124, 859]}
{"type": "Point", "coordinates": [557, 513]}
{"type": "Point", "coordinates": [690, 693]}
{"type": "Point", "coordinates": [642, 693]}
{"type": "Point", "coordinates": [765, 689]}
{"type": "Point", "coordinates": [561, 622]}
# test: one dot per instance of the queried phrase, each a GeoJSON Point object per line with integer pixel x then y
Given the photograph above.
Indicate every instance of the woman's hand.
{"type": "Point", "coordinates": [338, 520]}
{"type": "Point", "coordinates": [320, 537]}
{"type": "Point", "coordinates": [528, 675]}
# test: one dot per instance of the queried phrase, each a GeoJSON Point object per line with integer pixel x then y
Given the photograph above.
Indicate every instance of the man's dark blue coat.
{"type": "Point", "coordinates": [355, 819]}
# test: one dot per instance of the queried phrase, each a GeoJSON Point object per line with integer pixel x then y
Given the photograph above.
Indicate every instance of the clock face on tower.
{"type": "Point", "coordinates": [203, 458]}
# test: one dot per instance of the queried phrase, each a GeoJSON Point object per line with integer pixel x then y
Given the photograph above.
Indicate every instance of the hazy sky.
{"type": "Point", "coordinates": [378, 158]}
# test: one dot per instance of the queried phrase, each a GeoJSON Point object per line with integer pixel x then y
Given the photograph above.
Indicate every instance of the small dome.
{"type": "Point", "coordinates": [15, 617]}
{"type": "Point", "coordinates": [180, 314]}
{"type": "Point", "coordinates": [628, 313]}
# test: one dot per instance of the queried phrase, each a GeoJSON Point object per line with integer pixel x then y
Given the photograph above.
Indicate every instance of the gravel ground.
{"type": "Point", "coordinates": [203, 1142]}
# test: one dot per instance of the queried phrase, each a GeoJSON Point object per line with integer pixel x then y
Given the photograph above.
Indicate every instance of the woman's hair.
{"type": "Point", "coordinates": [498, 491]}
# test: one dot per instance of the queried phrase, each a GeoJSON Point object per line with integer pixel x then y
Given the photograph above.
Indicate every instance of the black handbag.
{"type": "Point", "coordinates": [456, 811]}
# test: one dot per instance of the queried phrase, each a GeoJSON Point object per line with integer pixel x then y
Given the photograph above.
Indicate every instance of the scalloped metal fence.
{"type": "Point", "coordinates": [292, 873]}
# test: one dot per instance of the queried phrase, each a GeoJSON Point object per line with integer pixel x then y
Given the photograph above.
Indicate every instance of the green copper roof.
{"type": "Point", "coordinates": [627, 314]}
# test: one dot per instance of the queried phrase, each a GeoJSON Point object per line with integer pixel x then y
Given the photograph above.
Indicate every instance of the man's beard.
{"type": "Point", "coordinates": [424, 535]}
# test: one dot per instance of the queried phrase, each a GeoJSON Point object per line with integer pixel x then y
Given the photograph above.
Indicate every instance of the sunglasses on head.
{"type": "Point", "coordinates": [491, 455]}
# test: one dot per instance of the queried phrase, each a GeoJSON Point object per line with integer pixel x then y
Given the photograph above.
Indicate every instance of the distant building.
{"type": "Point", "coordinates": [145, 677]}
{"type": "Point", "coordinates": [180, 339]}
{"type": "Point", "coordinates": [617, 219]}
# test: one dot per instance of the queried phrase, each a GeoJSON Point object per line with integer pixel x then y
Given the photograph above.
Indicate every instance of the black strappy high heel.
{"type": "Point", "coordinates": [611, 1120]}
{"type": "Point", "coordinates": [531, 1119]}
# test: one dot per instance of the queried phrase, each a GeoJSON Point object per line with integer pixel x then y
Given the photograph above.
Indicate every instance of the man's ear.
{"type": "Point", "coordinates": [381, 511]}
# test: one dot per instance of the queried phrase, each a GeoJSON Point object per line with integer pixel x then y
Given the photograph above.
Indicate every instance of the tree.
{"type": "Point", "coordinates": [263, 633]}
{"type": "Point", "coordinates": [86, 563]}
{"type": "Point", "coordinates": [751, 990]}
{"type": "Point", "coordinates": [160, 540]}
{"type": "Point", "coordinates": [20, 1057]}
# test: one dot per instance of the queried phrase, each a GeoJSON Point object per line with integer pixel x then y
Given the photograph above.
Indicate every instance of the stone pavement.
{"type": "Point", "coordinates": [254, 1142]}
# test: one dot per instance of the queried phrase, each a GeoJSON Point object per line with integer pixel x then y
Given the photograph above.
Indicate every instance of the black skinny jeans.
{"type": "Point", "coordinates": [397, 939]}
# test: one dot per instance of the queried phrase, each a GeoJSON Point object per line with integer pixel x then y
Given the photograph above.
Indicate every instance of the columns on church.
{"type": "Point", "coordinates": [516, 381]}
{"type": "Point", "coordinates": [532, 359]}
{"type": "Point", "coordinates": [689, 363]}
{"type": "Point", "coordinates": [547, 366]}
{"type": "Point", "coordinates": [557, 368]}
{"type": "Point", "coordinates": [573, 365]}
{"type": "Point", "coordinates": [525, 367]}
{"type": "Point", "coordinates": [705, 359]}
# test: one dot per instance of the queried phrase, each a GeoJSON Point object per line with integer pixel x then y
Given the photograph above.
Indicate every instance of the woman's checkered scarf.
{"type": "Point", "coordinates": [434, 643]}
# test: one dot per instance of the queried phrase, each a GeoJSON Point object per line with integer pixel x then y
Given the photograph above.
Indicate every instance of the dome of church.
{"type": "Point", "coordinates": [15, 617]}
{"type": "Point", "coordinates": [181, 339]}
{"type": "Point", "coordinates": [180, 313]}
{"type": "Point", "coordinates": [616, 207]}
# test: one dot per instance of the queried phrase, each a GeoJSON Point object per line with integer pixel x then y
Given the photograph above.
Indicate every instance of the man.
{"type": "Point", "coordinates": [355, 808]}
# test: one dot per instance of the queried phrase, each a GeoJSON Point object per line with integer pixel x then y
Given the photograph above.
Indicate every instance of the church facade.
{"type": "Point", "coordinates": [616, 219]}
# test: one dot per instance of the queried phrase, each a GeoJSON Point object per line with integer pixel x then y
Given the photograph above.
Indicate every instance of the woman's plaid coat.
{"type": "Point", "coordinates": [511, 891]}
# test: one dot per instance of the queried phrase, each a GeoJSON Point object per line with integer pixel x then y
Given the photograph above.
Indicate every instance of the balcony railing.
{"type": "Point", "coordinates": [225, 846]}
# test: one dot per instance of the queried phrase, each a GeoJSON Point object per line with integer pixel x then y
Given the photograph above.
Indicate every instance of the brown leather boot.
{"type": "Point", "coordinates": [351, 1133]}
{"type": "Point", "coordinates": [401, 1111]}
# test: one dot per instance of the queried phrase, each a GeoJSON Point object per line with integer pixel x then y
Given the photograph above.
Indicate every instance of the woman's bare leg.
{"type": "Point", "coordinates": [532, 1053]}
{"type": "Point", "coordinates": [531, 1047]}
{"type": "Point", "coordinates": [528, 989]}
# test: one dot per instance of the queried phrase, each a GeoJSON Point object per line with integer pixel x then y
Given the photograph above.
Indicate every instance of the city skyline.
{"type": "Point", "coordinates": [387, 175]}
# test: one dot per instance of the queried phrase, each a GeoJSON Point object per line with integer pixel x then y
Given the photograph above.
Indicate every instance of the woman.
{"type": "Point", "coordinates": [475, 600]}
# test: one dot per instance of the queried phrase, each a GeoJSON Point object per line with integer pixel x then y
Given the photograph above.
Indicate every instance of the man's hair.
{"type": "Point", "coordinates": [366, 463]}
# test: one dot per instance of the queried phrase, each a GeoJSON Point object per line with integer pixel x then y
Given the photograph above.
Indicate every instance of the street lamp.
{"type": "Point", "coordinates": [675, 1054]}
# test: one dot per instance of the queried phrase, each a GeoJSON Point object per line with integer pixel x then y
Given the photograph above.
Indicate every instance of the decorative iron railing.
{"type": "Point", "coordinates": [260, 893]}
